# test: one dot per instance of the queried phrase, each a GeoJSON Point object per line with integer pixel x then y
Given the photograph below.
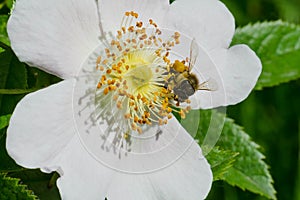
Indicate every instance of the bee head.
{"type": "Point", "coordinates": [193, 81]}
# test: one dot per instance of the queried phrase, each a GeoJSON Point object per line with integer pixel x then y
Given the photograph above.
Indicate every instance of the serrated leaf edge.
{"type": "Point", "coordinates": [261, 156]}
{"type": "Point", "coordinates": [18, 184]}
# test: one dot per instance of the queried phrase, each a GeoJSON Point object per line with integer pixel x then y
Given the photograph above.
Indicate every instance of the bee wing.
{"type": "Point", "coordinates": [210, 85]}
{"type": "Point", "coordinates": [194, 51]}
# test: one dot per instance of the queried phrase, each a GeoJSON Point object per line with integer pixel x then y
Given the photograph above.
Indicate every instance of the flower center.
{"type": "Point", "coordinates": [139, 75]}
{"type": "Point", "coordinates": [139, 85]}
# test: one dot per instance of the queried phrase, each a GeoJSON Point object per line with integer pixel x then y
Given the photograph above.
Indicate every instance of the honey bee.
{"type": "Point", "coordinates": [182, 82]}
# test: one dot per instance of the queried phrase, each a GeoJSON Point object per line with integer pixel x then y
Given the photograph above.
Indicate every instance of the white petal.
{"type": "Point", "coordinates": [82, 177]}
{"type": "Point", "coordinates": [190, 177]}
{"type": "Point", "coordinates": [209, 21]}
{"type": "Point", "coordinates": [41, 125]}
{"type": "Point", "coordinates": [236, 74]}
{"type": "Point", "coordinates": [56, 35]}
{"type": "Point", "coordinates": [187, 177]}
{"type": "Point", "coordinates": [112, 11]}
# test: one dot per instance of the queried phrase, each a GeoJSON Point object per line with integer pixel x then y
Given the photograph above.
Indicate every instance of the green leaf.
{"type": "Point", "coordinates": [220, 161]}
{"type": "Point", "coordinates": [249, 171]}
{"type": "Point", "coordinates": [11, 189]}
{"type": "Point", "coordinates": [13, 75]}
{"type": "Point", "coordinates": [233, 156]}
{"type": "Point", "coordinates": [17, 91]}
{"type": "Point", "coordinates": [9, 3]}
{"type": "Point", "coordinates": [4, 120]}
{"type": "Point", "coordinates": [43, 185]}
{"type": "Point", "coordinates": [277, 44]}
{"type": "Point", "coordinates": [3, 33]}
{"type": "Point", "coordinates": [38, 79]}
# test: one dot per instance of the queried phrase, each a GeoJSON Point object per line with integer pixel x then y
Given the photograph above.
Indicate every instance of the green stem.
{"type": "Point", "coordinates": [53, 179]}
{"type": "Point", "coordinates": [4, 46]}
{"type": "Point", "coordinates": [17, 91]}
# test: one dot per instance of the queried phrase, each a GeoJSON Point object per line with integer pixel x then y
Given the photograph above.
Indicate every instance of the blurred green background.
{"type": "Point", "coordinates": [270, 116]}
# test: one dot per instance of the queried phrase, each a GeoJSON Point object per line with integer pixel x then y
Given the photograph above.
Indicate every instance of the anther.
{"type": "Point", "coordinates": [182, 114]}
{"type": "Point", "coordinates": [127, 116]}
{"type": "Point", "coordinates": [103, 78]}
{"type": "Point", "coordinates": [105, 91]}
{"type": "Point", "coordinates": [144, 36]}
{"type": "Point", "coordinates": [104, 62]}
{"type": "Point", "coordinates": [133, 126]}
{"type": "Point", "coordinates": [124, 29]}
{"type": "Point", "coordinates": [119, 104]}
{"type": "Point", "coordinates": [115, 98]}
{"type": "Point", "coordinates": [98, 60]}
{"type": "Point", "coordinates": [139, 130]}
{"type": "Point", "coordinates": [139, 24]}
{"type": "Point", "coordinates": [131, 29]}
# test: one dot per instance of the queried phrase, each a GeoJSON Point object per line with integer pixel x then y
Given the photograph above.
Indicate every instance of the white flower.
{"type": "Point", "coordinates": [107, 127]}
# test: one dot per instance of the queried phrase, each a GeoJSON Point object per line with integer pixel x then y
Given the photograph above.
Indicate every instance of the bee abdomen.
{"type": "Point", "coordinates": [184, 90]}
